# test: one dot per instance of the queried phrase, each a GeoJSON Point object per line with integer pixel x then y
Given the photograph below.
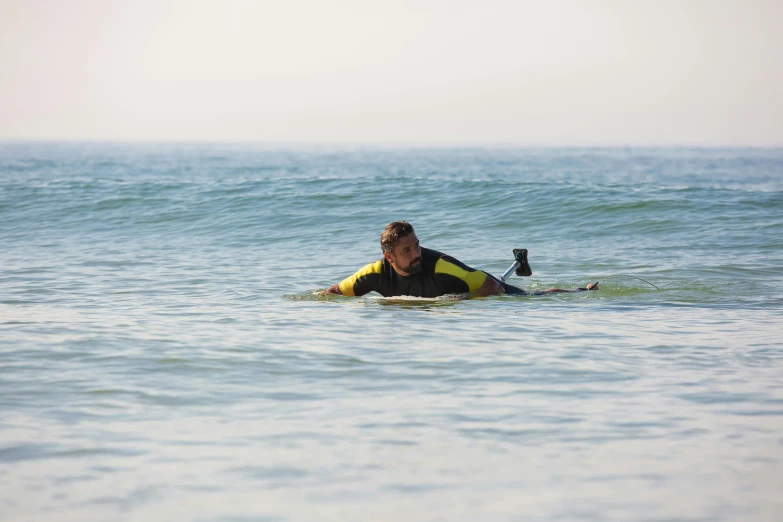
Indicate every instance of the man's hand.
{"type": "Point", "coordinates": [334, 289]}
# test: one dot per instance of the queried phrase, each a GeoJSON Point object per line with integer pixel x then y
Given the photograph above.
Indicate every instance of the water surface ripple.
{"type": "Point", "coordinates": [164, 355]}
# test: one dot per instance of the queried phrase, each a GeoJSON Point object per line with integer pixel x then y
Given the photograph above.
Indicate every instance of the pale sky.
{"type": "Point", "coordinates": [420, 72]}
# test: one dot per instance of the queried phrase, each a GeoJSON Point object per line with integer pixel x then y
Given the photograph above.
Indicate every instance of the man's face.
{"type": "Point", "coordinates": [407, 255]}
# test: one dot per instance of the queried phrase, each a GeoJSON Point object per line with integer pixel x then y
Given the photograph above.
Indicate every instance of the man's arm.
{"type": "Point", "coordinates": [362, 282]}
{"type": "Point", "coordinates": [490, 287]}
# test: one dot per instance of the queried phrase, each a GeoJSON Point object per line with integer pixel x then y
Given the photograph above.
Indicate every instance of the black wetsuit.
{"type": "Point", "coordinates": [440, 275]}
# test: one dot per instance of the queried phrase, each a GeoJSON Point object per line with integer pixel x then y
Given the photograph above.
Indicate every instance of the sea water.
{"type": "Point", "coordinates": [165, 353]}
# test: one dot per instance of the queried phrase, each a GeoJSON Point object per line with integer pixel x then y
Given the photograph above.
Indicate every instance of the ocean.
{"type": "Point", "coordinates": [166, 353]}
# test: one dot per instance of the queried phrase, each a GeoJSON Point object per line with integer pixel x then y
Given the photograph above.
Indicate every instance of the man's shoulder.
{"type": "Point", "coordinates": [429, 254]}
{"type": "Point", "coordinates": [434, 256]}
{"type": "Point", "coordinates": [447, 263]}
{"type": "Point", "coordinates": [444, 263]}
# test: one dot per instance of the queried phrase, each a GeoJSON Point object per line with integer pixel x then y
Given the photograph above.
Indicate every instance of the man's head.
{"type": "Point", "coordinates": [401, 247]}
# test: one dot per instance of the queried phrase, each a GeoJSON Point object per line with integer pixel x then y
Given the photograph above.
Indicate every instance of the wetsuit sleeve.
{"type": "Point", "coordinates": [457, 277]}
{"type": "Point", "coordinates": [364, 281]}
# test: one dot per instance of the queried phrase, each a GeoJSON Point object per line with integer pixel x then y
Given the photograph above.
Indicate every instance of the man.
{"type": "Point", "coordinates": [409, 269]}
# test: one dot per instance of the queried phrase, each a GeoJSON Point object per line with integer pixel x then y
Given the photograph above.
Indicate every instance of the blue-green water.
{"type": "Point", "coordinates": [164, 355]}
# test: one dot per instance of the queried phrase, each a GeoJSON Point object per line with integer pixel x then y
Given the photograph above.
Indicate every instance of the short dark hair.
{"type": "Point", "coordinates": [393, 233]}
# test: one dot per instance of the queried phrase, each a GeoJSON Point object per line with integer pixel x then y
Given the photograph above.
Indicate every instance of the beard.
{"type": "Point", "coordinates": [414, 268]}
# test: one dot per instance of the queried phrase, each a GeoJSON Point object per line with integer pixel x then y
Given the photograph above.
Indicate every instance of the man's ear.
{"type": "Point", "coordinates": [388, 257]}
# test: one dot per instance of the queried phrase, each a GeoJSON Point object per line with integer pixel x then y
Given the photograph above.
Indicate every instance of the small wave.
{"type": "Point", "coordinates": [313, 295]}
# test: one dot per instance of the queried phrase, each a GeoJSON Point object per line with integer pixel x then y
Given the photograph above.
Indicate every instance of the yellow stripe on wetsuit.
{"type": "Point", "coordinates": [346, 285]}
{"type": "Point", "coordinates": [474, 278]}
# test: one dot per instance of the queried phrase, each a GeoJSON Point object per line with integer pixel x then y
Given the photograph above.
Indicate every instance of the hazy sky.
{"type": "Point", "coordinates": [483, 71]}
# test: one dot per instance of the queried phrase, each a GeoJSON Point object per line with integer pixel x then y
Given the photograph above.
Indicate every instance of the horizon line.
{"type": "Point", "coordinates": [392, 144]}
